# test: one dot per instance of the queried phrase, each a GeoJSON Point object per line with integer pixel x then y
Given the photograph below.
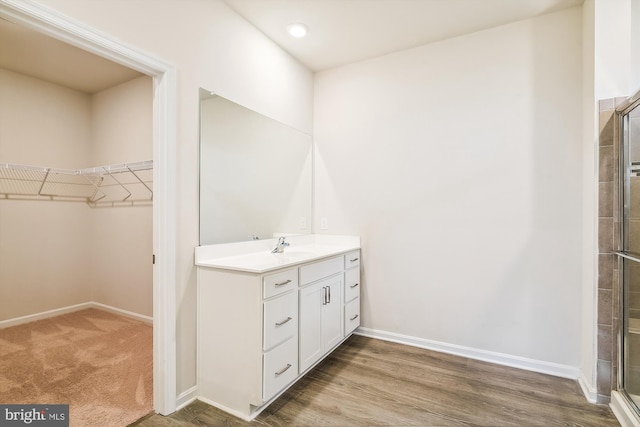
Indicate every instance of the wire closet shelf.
{"type": "Point", "coordinates": [125, 184]}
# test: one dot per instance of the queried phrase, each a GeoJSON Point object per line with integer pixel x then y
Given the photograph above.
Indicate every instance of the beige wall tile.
{"type": "Point", "coordinates": [604, 307]}
{"type": "Point", "coordinates": [606, 104]}
{"type": "Point", "coordinates": [605, 200]}
{"type": "Point", "coordinates": [605, 123]}
{"type": "Point", "coordinates": [605, 235]}
{"type": "Point", "coordinates": [605, 163]}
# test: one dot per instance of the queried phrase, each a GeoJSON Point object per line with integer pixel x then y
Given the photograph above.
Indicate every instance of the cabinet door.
{"type": "Point", "coordinates": [311, 305]}
{"type": "Point", "coordinates": [332, 330]}
{"type": "Point", "coordinates": [321, 322]}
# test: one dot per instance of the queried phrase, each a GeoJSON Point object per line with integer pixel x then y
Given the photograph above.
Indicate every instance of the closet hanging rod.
{"type": "Point", "coordinates": [122, 167]}
{"type": "Point", "coordinates": [25, 168]}
{"type": "Point", "coordinates": [98, 170]}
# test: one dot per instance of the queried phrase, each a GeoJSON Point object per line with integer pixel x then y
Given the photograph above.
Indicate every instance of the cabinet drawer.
{"type": "Point", "coordinates": [352, 259]}
{"type": "Point", "coordinates": [351, 284]}
{"type": "Point", "coordinates": [280, 319]}
{"type": "Point", "coordinates": [316, 271]}
{"type": "Point", "coordinates": [278, 283]}
{"type": "Point", "coordinates": [280, 367]}
{"type": "Point", "coordinates": [351, 316]}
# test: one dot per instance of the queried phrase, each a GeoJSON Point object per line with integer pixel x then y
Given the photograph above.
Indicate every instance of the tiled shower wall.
{"type": "Point", "coordinates": [608, 226]}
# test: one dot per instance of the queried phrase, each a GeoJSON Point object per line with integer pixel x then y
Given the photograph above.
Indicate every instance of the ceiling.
{"type": "Point", "coordinates": [33, 54]}
{"type": "Point", "coordinates": [344, 31]}
{"type": "Point", "coordinates": [340, 32]}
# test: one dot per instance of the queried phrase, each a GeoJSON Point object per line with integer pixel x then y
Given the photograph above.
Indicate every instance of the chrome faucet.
{"type": "Point", "coordinates": [280, 246]}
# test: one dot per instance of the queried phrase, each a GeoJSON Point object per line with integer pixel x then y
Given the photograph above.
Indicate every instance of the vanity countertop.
{"type": "Point", "coordinates": [256, 256]}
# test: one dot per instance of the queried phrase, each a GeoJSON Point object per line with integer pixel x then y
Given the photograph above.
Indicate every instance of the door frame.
{"type": "Point", "coordinates": [54, 24]}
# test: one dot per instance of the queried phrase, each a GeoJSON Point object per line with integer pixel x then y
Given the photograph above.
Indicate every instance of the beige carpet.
{"type": "Point", "coordinates": [97, 362]}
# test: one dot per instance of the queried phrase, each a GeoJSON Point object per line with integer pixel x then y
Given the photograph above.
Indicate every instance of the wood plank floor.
{"type": "Point", "coordinates": [368, 382]}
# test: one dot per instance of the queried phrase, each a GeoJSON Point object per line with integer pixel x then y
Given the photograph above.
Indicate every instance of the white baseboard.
{"type": "Point", "coordinates": [589, 391]}
{"type": "Point", "coordinates": [625, 415]}
{"type": "Point", "coordinates": [555, 369]}
{"type": "Point", "coordinates": [70, 309]}
{"type": "Point", "coordinates": [126, 313]}
{"type": "Point", "coordinates": [186, 397]}
{"type": "Point", "coordinates": [43, 315]}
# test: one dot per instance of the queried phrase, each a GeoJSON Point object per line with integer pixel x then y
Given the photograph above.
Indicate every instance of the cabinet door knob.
{"type": "Point", "coordinates": [355, 317]}
{"type": "Point", "coordinates": [354, 285]}
{"type": "Point", "coordinates": [284, 321]}
{"type": "Point", "coordinates": [286, 282]}
{"type": "Point", "coordinates": [283, 370]}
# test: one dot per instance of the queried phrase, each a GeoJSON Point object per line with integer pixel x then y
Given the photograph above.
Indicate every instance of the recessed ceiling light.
{"type": "Point", "coordinates": [297, 30]}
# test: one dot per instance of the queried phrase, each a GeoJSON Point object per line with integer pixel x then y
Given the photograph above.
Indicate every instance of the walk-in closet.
{"type": "Point", "coordinates": [76, 230]}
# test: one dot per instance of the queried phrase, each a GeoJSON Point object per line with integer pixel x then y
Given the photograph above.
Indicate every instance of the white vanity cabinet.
{"type": "Point", "coordinates": [259, 331]}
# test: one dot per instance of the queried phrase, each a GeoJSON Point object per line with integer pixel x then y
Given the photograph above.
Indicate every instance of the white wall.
{"type": "Point", "coordinates": [468, 186]}
{"type": "Point", "coordinates": [121, 240]}
{"type": "Point", "coordinates": [122, 123]}
{"type": "Point", "coordinates": [212, 47]}
{"type": "Point", "coordinates": [43, 124]}
{"type": "Point", "coordinates": [43, 262]}
{"type": "Point", "coordinates": [635, 44]}
{"type": "Point", "coordinates": [612, 50]}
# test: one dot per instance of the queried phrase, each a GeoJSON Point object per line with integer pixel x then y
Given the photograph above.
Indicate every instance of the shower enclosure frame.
{"type": "Point", "coordinates": [624, 256]}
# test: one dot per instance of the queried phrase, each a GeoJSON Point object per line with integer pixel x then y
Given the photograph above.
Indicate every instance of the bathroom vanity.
{"type": "Point", "coordinates": [265, 319]}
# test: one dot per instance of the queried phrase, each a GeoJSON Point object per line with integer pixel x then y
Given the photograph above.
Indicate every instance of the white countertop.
{"type": "Point", "coordinates": [256, 257]}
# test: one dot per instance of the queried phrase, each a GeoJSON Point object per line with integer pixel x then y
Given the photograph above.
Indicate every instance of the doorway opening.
{"type": "Point", "coordinates": [58, 26]}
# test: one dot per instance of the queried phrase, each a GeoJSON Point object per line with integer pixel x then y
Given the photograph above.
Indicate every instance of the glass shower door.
{"type": "Point", "coordinates": [629, 376]}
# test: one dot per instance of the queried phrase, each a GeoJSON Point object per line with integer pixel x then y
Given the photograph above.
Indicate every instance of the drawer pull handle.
{"type": "Point", "coordinates": [355, 317]}
{"type": "Point", "coordinates": [354, 259]}
{"type": "Point", "coordinates": [283, 370]}
{"type": "Point", "coordinates": [286, 282]}
{"type": "Point", "coordinates": [284, 321]}
{"type": "Point", "coordinates": [354, 285]}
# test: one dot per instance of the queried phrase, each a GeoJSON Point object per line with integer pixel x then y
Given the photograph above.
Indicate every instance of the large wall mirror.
{"type": "Point", "coordinates": [255, 174]}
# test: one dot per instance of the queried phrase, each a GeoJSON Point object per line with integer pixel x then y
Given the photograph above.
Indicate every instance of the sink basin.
{"type": "Point", "coordinates": [261, 261]}
{"type": "Point", "coordinates": [295, 252]}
